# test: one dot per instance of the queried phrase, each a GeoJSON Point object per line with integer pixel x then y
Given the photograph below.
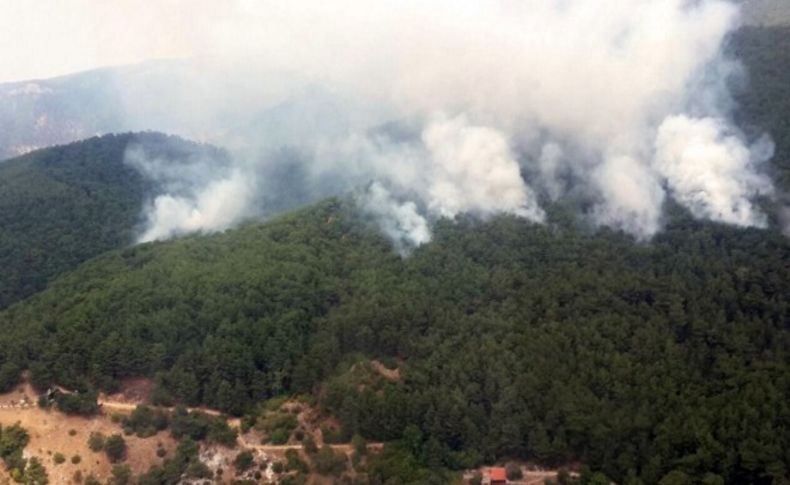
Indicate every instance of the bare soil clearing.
{"type": "Point", "coordinates": [54, 432]}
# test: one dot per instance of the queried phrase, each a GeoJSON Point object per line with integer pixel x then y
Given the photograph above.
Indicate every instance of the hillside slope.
{"type": "Point", "coordinates": [512, 339]}
{"type": "Point", "coordinates": [63, 205]}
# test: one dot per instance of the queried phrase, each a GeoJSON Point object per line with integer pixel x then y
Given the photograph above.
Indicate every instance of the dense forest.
{"type": "Point", "coordinates": [61, 206]}
{"type": "Point", "coordinates": [513, 339]}
{"type": "Point", "coordinates": [666, 361]}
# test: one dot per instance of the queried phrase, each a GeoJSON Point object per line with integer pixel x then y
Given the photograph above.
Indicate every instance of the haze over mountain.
{"type": "Point", "coordinates": [436, 150]}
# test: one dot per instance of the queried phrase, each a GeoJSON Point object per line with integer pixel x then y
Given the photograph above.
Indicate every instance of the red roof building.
{"type": "Point", "coordinates": [497, 476]}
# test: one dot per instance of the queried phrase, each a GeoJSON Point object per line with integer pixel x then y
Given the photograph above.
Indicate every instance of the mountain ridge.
{"type": "Point", "coordinates": [62, 205]}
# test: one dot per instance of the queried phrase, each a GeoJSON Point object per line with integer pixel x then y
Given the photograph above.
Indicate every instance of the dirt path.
{"type": "Point", "coordinates": [536, 477]}
{"type": "Point", "coordinates": [343, 448]}
{"type": "Point", "coordinates": [107, 405]}
{"type": "Point", "coordinates": [127, 406]}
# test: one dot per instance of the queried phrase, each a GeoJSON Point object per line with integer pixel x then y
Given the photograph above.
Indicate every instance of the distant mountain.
{"type": "Point", "coordinates": [211, 102]}
{"type": "Point", "coordinates": [62, 205]}
{"type": "Point", "coordinates": [38, 114]}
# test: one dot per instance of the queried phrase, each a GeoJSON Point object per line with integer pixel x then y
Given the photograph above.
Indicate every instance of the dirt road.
{"type": "Point", "coordinates": [129, 407]}
{"type": "Point", "coordinates": [343, 448]}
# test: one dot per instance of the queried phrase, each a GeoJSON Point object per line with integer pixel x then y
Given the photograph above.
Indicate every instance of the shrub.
{"type": "Point", "coordinates": [96, 442]}
{"type": "Point", "coordinates": [161, 452]}
{"type": "Point", "coordinates": [79, 403]}
{"type": "Point", "coordinates": [359, 444]}
{"type": "Point", "coordinates": [564, 477]}
{"type": "Point", "coordinates": [14, 438]}
{"type": "Point", "coordinates": [198, 469]}
{"type": "Point", "coordinates": [219, 432]}
{"type": "Point", "coordinates": [77, 477]}
{"type": "Point", "coordinates": [115, 447]}
{"type": "Point", "coordinates": [274, 403]}
{"type": "Point", "coordinates": [247, 422]}
{"type": "Point", "coordinates": [199, 426]}
{"type": "Point", "coordinates": [513, 471]}
{"type": "Point", "coordinates": [145, 422]}
{"type": "Point", "coordinates": [295, 463]}
{"type": "Point", "coordinates": [121, 474]}
{"type": "Point", "coordinates": [279, 437]}
{"type": "Point", "coordinates": [35, 473]}
{"type": "Point", "coordinates": [58, 458]}
{"type": "Point", "coordinates": [332, 435]}
{"type": "Point", "coordinates": [243, 461]}
{"type": "Point", "coordinates": [76, 459]}
{"type": "Point", "coordinates": [309, 445]}
{"type": "Point", "coordinates": [92, 480]}
{"type": "Point", "coordinates": [327, 462]}
{"type": "Point", "coordinates": [72, 432]}
{"type": "Point", "coordinates": [272, 422]}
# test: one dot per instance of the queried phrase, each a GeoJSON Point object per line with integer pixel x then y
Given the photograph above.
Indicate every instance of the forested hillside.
{"type": "Point", "coordinates": [63, 205]}
{"type": "Point", "coordinates": [513, 339]}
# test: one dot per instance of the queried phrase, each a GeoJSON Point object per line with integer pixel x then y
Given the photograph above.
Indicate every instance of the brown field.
{"type": "Point", "coordinates": [53, 432]}
{"type": "Point", "coordinates": [49, 434]}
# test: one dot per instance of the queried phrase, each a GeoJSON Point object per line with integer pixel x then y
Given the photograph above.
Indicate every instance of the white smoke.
{"type": "Point", "coordinates": [198, 193]}
{"type": "Point", "coordinates": [632, 196]}
{"type": "Point", "coordinates": [710, 171]}
{"type": "Point", "coordinates": [473, 171]}
{"type": "Point", "coordinates": [613, 99]}
{"type": "Point", "coordinates": [401, 222]}
{"type": "Point", "coordinates": [218, 206]}
{"type": "Point", "coordinates": [456, 168]}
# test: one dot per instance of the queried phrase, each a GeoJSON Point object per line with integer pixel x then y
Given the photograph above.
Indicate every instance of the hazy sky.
{"type": "Point", "coordinates": [44, 38]}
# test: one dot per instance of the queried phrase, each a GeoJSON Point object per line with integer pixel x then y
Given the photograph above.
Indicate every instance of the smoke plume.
{"type": "Point", "coordinates": [479, 107]}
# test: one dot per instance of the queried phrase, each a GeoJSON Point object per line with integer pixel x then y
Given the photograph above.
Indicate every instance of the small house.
{"type": "Point", "coordinates": [497, 476]}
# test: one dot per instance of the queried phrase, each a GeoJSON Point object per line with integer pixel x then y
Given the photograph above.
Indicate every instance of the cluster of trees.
{"type": "Point", "coordinates": [114, 446]}
{"type": "Point", "coordinates": [13, 440]}
{"type": "Point", "coordinates": [145, 422]}
{"type": "Point", "coordinates": [184, 464]}
{"type": "Point", "coordinates": [78, 403]}
{"type": "Point", "coordinates": [548, 342]}
{"type": "Point", "coordinates": [63, 205]}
